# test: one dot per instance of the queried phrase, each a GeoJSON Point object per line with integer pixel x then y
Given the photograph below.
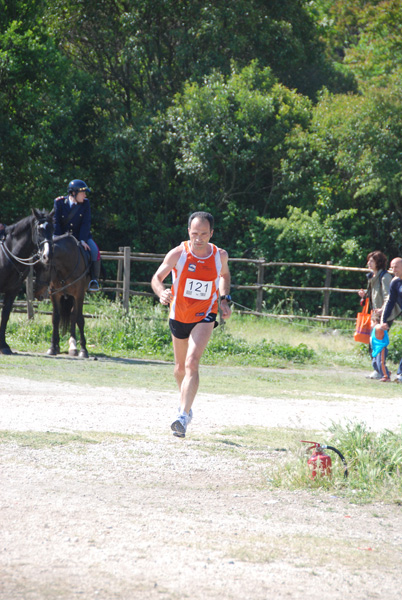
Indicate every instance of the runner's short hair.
{"type": "Point", "coordinates": [205, 216]}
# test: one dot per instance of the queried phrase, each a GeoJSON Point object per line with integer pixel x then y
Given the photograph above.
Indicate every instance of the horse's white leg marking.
{"type": "Point", "coordinates": [72, 344]}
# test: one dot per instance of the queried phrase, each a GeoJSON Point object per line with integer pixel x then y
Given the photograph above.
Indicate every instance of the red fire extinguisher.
{"type": "Point", "coordinates": [319, 462]}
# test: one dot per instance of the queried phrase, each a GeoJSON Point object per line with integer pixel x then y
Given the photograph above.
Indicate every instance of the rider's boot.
{"type": "Point", "coordinates": [95, 273]}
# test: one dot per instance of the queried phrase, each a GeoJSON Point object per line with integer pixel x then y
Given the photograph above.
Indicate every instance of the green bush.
{"type": "Point", "coordinates": [395, 346]}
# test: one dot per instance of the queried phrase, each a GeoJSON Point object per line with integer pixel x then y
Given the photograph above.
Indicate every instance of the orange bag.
{"type": "Point", "coordinates": [363, 325]}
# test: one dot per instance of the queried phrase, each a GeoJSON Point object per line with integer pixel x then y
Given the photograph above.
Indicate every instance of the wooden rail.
{"type": "Point", "coordinates": [123, 287]}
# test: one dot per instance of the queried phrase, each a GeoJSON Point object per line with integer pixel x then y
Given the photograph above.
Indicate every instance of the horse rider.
{"type": "Point", "coordinates": [72, 213]}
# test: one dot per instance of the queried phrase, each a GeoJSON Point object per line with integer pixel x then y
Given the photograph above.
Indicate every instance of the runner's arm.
{"type": "Point", "coordinates": [224, 284]}
{"type": "Point", "coordinates": [169, 262]}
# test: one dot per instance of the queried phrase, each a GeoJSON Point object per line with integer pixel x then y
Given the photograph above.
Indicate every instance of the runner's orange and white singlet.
{"type": "Point", "coordinates": [195, 285]}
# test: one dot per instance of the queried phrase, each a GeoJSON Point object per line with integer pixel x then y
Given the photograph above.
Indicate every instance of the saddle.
{"type": "Point", "coordinates": [86, 254]}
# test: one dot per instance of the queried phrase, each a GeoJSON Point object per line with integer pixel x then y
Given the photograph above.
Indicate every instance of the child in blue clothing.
{"type": "Point", "coordinates": [379, 341]}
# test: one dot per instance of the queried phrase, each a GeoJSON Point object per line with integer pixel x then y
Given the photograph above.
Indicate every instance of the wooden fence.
{"type": "Point", "coordinates": [122, 287]}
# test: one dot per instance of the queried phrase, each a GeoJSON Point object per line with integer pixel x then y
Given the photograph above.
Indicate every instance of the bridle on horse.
{"type": "Point", "coordinates": [31, 260]}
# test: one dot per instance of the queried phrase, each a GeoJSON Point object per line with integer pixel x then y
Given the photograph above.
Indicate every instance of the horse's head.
{"type": "Point", "coordinates": [42, 234]}
{"type": "Point", "coordinates": [42, 280]}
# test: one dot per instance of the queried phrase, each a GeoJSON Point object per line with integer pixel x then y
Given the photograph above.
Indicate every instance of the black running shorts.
{"type": "Point", "coordinates": [182, 330]}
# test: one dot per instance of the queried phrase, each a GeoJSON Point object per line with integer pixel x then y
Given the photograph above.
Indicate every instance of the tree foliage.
{"type": "Point", "coordinates": [227, 136]}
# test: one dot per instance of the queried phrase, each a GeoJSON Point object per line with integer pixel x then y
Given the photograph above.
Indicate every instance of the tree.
{"type": "Point", "coordinates": [144, 51]}
{"type": "Point", "coordinates": [303, 236]}
{"type": "Point", "coordinates": [350, 157]}
{"type": "Point", "coordinates": [47, 119]}
{"type": "Point", "coordinates": [376, 58]}
{"type": "Point", "coordinates": [227, 136]}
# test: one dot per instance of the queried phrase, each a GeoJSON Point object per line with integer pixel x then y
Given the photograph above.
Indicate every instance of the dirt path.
{"type": "Point", "coordinates": [142, 514]}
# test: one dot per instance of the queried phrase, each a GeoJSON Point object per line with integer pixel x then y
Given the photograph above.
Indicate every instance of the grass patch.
{"type": "Point", "coordinates": [262, 353]}
{"type": "Point", "coordinates": [143, 332]}
{"type": "Point", "coordinates": [261, 438]}
{"type": "Point", "coordinates": [245, 340]}
{"type": "Point", "coordinates": [307, 550]}
{"type": "Point", "coordinates": [298, 383]}
{"type": "Point", "coordinates": [52, 439]}
{"type": "Point", "coordinates": [253, 445]}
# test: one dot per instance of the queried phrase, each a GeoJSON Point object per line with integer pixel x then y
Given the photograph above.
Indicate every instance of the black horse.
{"type": "Point", "coordinates": [26, 243]}
{"type": "Point", "coordinates": [68, 276]}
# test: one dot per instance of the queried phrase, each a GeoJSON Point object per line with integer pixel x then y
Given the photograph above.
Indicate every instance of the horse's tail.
{"type": "Point", "coordinates": [66, 305]}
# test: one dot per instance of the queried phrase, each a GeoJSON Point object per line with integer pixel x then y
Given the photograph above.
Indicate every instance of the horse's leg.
{"type": "Point", "coordinates": [80, 322]}
{"type": "Point", "coordinates": [55, 343]}
{"type": "Point", "coordinates": [8, 302]}
{"type": "Point", "coordinates": [72, 342]}
{"type": "Point", "coordinates": [72, 346]}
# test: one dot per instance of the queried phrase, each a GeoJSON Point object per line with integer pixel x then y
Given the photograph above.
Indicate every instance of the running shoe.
{"type": "Point", "coordinates": [190, 416]}
{"type": "Point", "coordinates": [179, 426]}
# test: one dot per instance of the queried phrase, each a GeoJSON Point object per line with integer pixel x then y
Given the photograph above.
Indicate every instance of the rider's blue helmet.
{"type": "Point", "coordinates": [77, 185]}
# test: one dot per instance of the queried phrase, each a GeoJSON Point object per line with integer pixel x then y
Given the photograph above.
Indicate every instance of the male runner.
{"type": "Point", "coordinates": [200, 276]}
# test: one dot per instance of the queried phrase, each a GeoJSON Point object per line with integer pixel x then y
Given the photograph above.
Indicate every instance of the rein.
{"type": "Point", "coordinates": [71, 283]}
{"type": "Point", "coordinates": [27, 262]}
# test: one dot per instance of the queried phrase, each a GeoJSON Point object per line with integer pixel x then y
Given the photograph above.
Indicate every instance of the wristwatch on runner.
{"type": "Point", "coordinates": [226, 297]}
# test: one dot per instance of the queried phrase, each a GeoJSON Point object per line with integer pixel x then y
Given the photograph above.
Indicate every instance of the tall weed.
{"type": "Point", "coordinates": [374, 462]}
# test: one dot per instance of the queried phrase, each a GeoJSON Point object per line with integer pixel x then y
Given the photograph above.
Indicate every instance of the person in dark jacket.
{"type": "Point", "coordinates": [394, 298]}
{"type": "Point", "coordinates": [72, 214]}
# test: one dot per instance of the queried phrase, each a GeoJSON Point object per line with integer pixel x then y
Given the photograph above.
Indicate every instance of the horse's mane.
{"type": "Point", "coordinates": [16, 228]}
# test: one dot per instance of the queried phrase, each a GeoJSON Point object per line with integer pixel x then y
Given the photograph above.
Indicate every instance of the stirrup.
{"type": "Point", "coordinates": [93, 286]}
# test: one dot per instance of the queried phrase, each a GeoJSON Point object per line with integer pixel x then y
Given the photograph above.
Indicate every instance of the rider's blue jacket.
{"type": "Point", "coordinates": [78, 223]}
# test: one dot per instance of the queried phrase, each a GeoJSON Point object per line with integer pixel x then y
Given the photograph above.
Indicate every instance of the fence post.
{"type": "Point", "coordinates": [29, 293]}
{"type": "Point", "coordinates": [260, 281]}
{"type": "Point", "coordinates": [126, 277]}
{"type": "Point", "coordinates": [119, 275]}
{"type": "Point", "coordinates": [328, 276]}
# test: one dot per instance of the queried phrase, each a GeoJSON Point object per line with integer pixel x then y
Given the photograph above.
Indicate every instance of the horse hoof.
{"type": "Point", "coordinates": [73, 352]}
{"type": "Point", "coordinates": [83, 354]}
{"type": "Point", "coordinates": [6, 350]}
{"type": "Point", "coordinates": [53, 351]}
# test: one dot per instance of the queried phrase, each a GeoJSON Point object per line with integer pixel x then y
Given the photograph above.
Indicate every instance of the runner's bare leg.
{"type": "Point", "coordinates": [196, 345]}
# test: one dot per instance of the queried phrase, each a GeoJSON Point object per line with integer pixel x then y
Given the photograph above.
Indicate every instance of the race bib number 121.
{"type": "Point", "coordinates": [199, 290]}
